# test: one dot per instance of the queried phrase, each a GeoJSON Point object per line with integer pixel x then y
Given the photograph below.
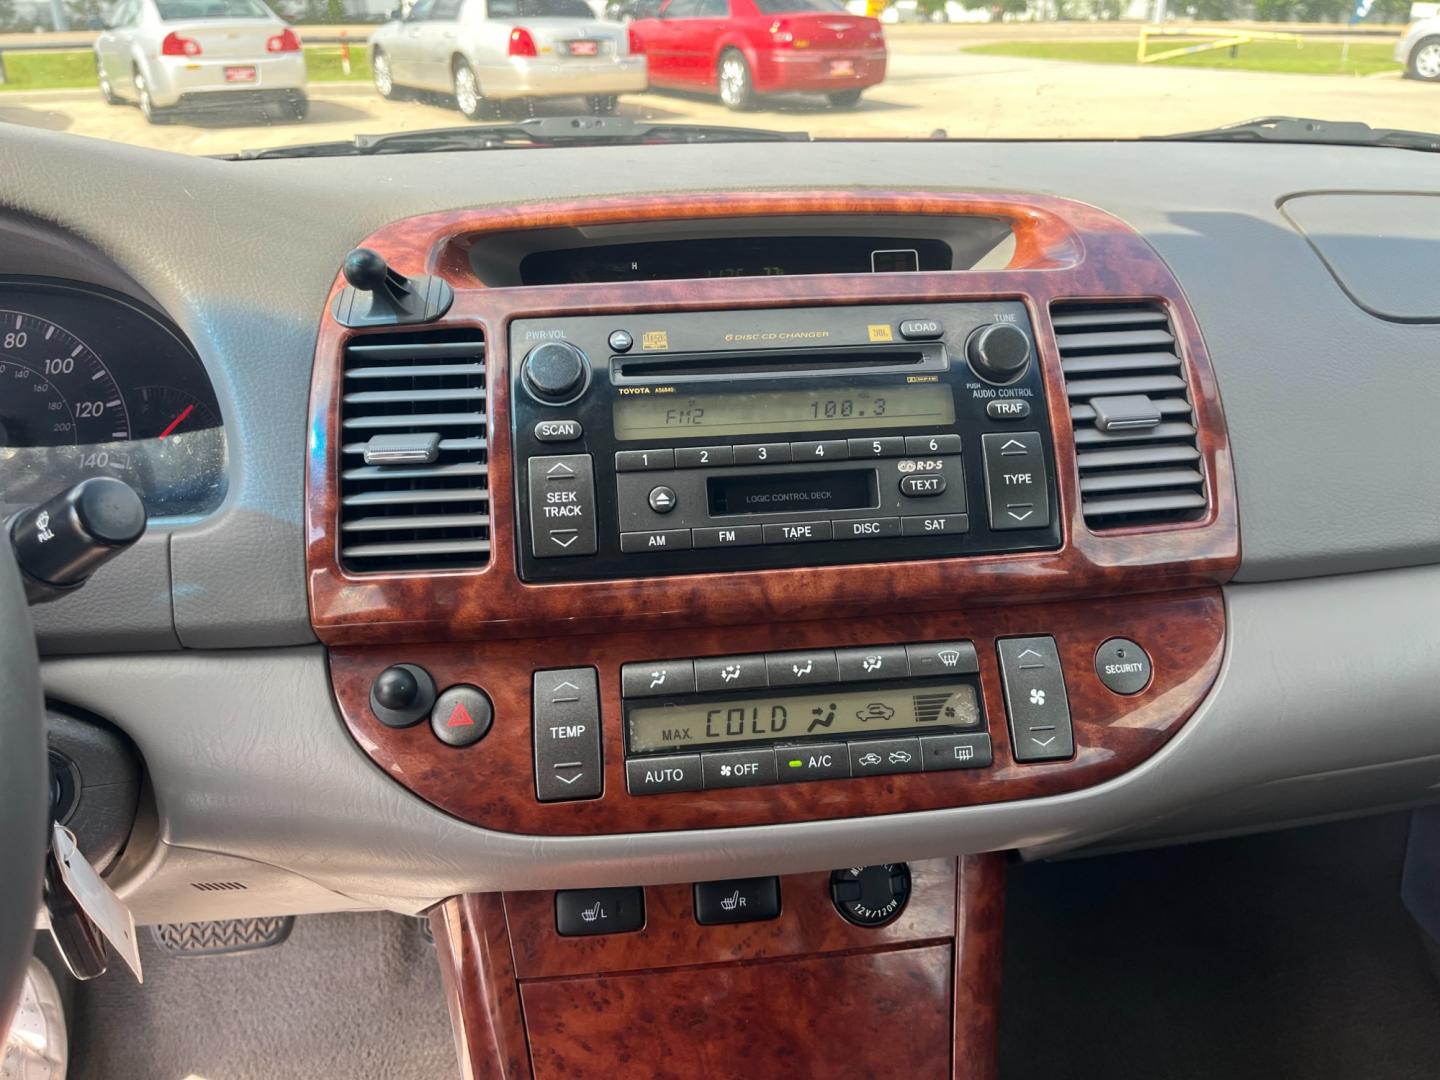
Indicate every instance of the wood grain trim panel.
{"type": "Point", "coordinates": [800, 995]}
{"type": "Point", "coordinates": [473, 948]}
{"type": "Point", "coordinates": [492, 783]}
{"type": "Point", "coordinates": [808, 925]}
{"type": "Point", "coordinates": [864, 1015]}
{"type": "Point", "coordinates": [979, 947]}
{"type": "Point", "coordinates": [1067, 251]}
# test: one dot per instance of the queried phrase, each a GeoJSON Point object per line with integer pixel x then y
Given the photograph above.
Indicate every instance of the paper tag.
{"type": "Point", "coordinates": [96, 899]}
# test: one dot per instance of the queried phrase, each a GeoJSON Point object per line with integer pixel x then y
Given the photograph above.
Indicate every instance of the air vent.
{"type": "Point", "coordinates": [420, 499]}
{"type": "Point", "coordinates": [1135, 438]}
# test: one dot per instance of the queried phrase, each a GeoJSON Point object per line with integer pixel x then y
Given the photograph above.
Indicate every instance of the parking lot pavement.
{"type": "Point", "coordinates": [931, 84]}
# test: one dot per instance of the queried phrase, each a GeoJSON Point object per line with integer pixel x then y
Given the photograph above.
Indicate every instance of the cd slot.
{"type": "Point", "coordinates": [787, 363]}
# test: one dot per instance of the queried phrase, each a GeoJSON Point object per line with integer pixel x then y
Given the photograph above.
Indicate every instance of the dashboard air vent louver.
{"type": "Point", "coordinates": [1135, 436]}
{"type": "Point", "coordinates": [414, 490]}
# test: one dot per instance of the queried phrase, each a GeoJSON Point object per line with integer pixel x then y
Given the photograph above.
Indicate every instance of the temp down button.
{"type": "Point", "coordinates": [562, 506]}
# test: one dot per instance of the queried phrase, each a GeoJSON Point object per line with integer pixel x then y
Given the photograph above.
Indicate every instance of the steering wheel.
{"type": "Point", "coordinates": [24, 807]}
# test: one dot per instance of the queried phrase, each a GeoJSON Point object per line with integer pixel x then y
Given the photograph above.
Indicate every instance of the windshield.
{"type": "Point", "coordinates": [176, 10]}
{"type": "Point", "coordinates": [157, 73]}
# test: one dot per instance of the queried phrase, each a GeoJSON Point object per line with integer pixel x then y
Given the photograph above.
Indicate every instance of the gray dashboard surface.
{"type": "Point", "coordinates": [1331, 410]}
{"type": "Point", "coordinates": [1326, 691]}
{"type": "Point", "coordinates": [1384, 249]}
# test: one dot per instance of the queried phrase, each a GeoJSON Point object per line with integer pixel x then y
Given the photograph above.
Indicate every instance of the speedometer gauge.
{"type": "Point", "coordinates": [92, 384]}
{"type": "Point", "coordinates": [54, 389]}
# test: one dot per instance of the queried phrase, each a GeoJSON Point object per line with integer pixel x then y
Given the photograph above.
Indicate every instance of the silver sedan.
{"type": "Point", "coordinates": [489, 51]}
{"type": "Point", "coordinates": [198, 54]}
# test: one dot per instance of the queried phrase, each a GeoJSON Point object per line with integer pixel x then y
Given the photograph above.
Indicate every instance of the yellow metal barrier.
{"type": "Point", "coordinates": [1224, 38]}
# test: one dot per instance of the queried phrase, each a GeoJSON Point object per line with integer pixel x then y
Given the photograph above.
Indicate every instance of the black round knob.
{"type": "Point", "coordinates": [555, 371]}
{"type": "Point", "coordinates": [871, 895]}
{"type": "Point", "coordinates": [401, 695]}
{"type": "Point", "coordinates": [999, 352]}
{"type": "Point", "coordinates": [365, 269]}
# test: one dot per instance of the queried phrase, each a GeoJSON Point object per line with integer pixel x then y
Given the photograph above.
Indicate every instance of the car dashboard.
{"type": "Point", "coordinates": [928, 503]}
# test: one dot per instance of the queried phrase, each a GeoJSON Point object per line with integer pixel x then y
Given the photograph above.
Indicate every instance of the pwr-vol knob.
{"type": "Point", "coordinates": [555, 372]}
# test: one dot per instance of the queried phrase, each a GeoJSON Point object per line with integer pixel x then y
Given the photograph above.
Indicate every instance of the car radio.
{"type": "Point", "coordinates": [705, 441]}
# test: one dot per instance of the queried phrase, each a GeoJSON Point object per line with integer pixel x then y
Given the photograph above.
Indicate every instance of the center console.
{"type": "Point", "coordinates": [712, 553]}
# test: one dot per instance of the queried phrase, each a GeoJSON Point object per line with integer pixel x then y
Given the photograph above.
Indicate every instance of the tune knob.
{"type": "Point", "coordinates": [555, 372]}
{"type": "Point", "coordinates": [999, 352]}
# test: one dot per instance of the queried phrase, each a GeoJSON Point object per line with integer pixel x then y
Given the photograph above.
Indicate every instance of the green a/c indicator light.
{"type": "Point", "coordinates": [796, 763]}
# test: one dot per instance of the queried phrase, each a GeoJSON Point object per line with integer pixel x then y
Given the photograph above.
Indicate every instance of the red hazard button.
{"type": "Point", "coordinates": [461, 716]}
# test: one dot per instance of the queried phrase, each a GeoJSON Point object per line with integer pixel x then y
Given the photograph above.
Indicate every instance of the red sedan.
{"type": "Point", "coordinates": [745, 48]}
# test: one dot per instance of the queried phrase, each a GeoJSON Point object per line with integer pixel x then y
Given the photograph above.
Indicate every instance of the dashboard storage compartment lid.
{"type": "Point", "coordinates": [428, 509]}
{"type": "Point", "coordinates": [1135, 436]}
{"type": "Point", "coordinates": [1382, 248]}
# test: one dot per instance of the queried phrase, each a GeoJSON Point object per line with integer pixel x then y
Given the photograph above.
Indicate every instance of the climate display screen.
{"type": "Point", "coordinates": [905, 709]}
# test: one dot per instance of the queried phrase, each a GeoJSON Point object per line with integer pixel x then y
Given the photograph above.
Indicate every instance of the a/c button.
{"type": "Point", "coordinates": [812, 761]}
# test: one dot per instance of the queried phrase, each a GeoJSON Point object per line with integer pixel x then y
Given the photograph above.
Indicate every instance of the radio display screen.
{"type": "Point", "coordinates": [659, 417]}
{"type": "Point", "coordinates": [704, 725]}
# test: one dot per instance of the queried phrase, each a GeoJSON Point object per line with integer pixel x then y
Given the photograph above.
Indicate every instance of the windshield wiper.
{"type": "Point", "coordinates": [537, 131]}
{"type": "Point", "coordinates": [1299, 129]}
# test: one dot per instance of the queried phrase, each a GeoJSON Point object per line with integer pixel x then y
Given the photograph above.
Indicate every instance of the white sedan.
{"type": "Point", "coordinates": [169, 55]}
{"type": "Point", "coordinates": [488, 51]}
